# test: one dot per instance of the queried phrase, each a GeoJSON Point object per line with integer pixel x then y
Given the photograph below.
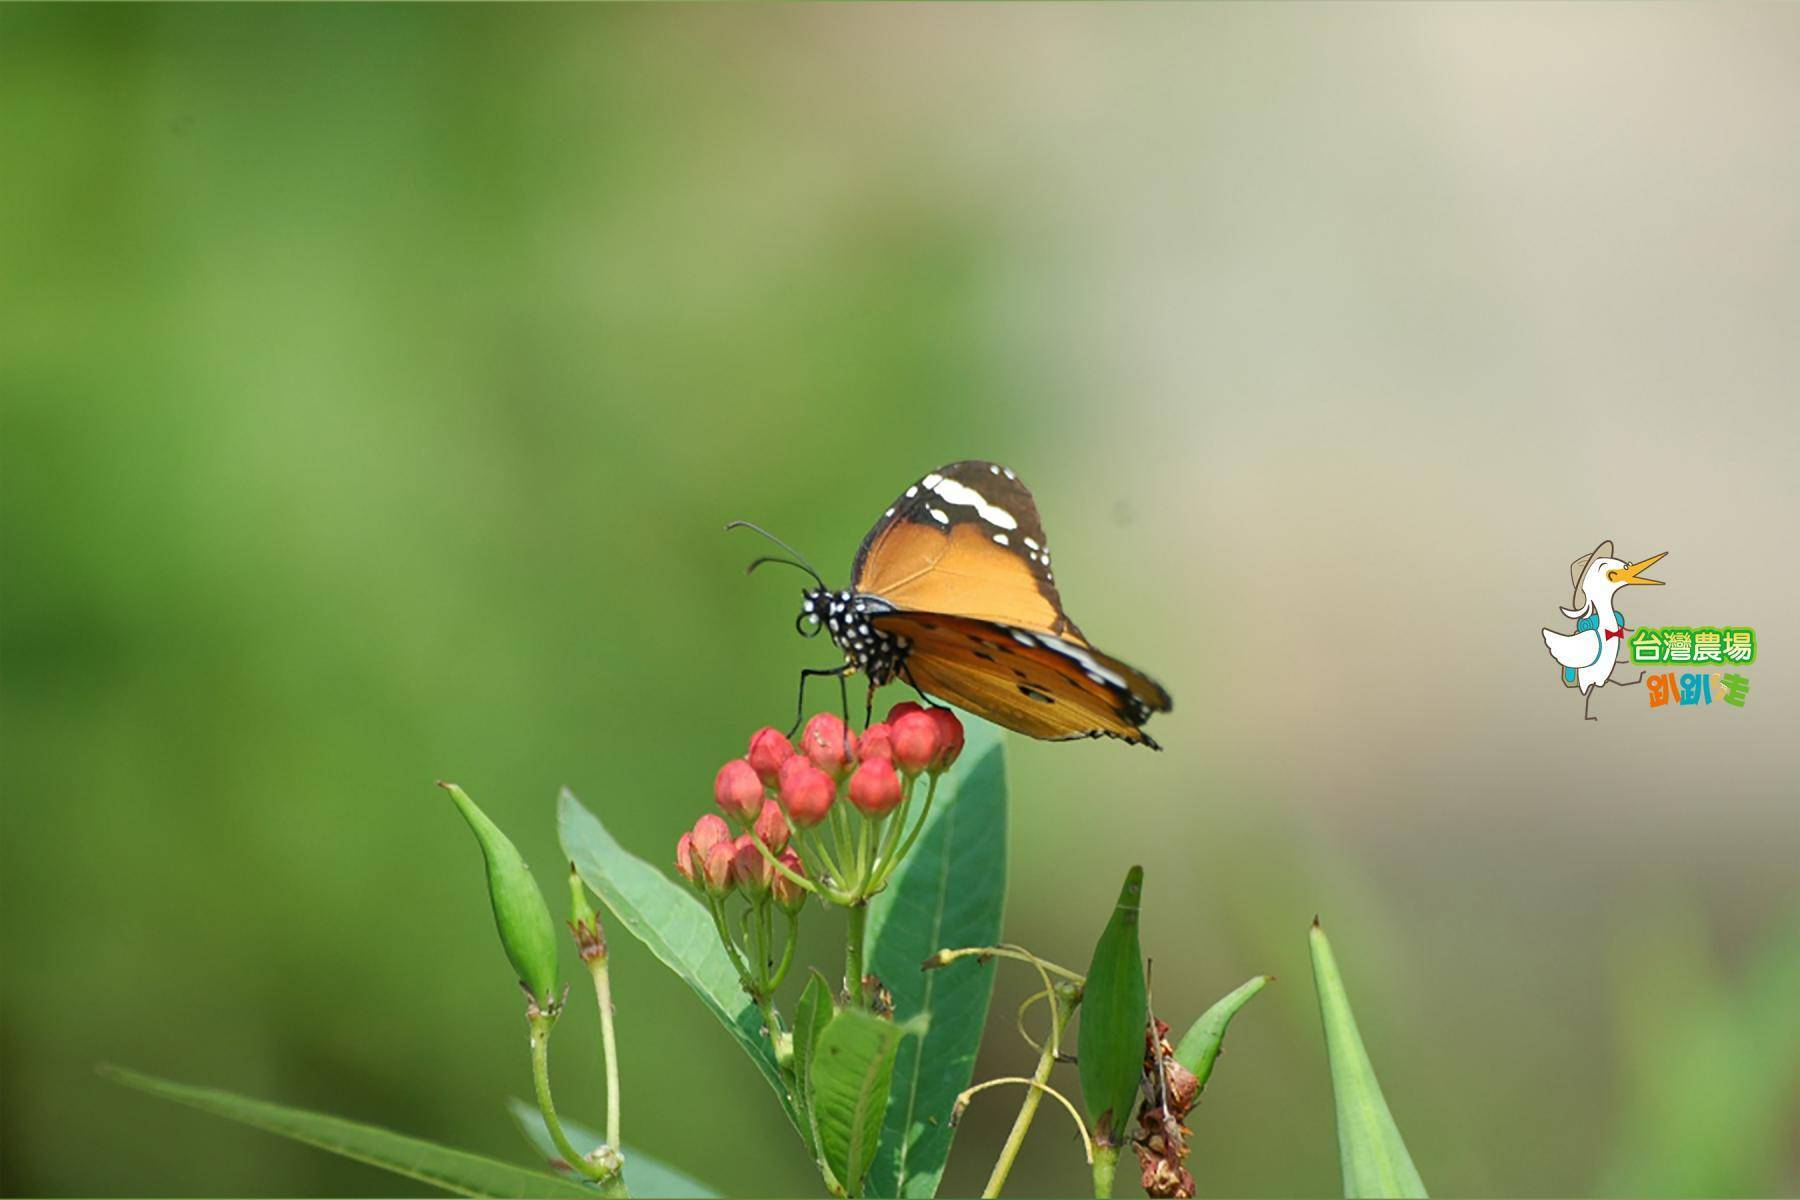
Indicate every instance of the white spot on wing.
{"type": "Point", "coordinates": [1001, 538]}
{"type": "Point", "coordinates": [939, 515]}
{"type": "Point", "coordinates": [1033, 544]}
{"type": "Point", "coordinates": [957, 493]}
{"type": "Point", "coordinates": [912, 491]}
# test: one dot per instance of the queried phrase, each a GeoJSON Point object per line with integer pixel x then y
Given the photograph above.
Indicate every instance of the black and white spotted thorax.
{"type": "Point", "coordinates": [846, 617]}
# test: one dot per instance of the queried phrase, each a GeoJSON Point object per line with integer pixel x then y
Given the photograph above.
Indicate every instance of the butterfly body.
{"type": "Point", "coordinates": [952, 591]}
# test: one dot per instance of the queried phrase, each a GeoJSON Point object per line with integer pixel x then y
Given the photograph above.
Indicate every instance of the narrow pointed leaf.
{"type": "Point", "coordinates": [1115, 1010]}
{"type": "Point", "coordinates": [455, 1171]}
{"type": "Point", "coordinates": [949, 892]}
{"type": "Point", "coordinates": [1200, 1045]}
{"type": "Point", "coordinates": [1371, 1152]}
{"type": "Point", "coordinates": [851, 1070]}
{"type": "Point", "coordinates": [668, 919]}
{"type": "Point", "coordinates": [646, 1178]}
{"type": "Point", "coordinates": [813, 1014]}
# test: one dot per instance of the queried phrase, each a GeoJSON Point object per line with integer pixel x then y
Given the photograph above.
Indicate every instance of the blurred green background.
{"type": "Point", "coordinates": [375, 382]}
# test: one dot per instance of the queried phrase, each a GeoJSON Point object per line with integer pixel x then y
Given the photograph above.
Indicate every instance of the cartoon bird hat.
{"type": "Point", "coordinates": [1579, 567]}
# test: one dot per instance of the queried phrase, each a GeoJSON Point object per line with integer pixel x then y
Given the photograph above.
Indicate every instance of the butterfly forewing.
{"type": "Point", "coordinates": [965, 540]}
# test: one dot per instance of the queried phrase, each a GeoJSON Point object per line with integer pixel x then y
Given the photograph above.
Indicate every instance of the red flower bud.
{"type": "Point", "coordinates": [876, 742]}
{"type": "Point", "coordinates": [828, 743]}
{"type": "Point", "coordinates": [788, 894]}
{"type": "Point", "coordinates": [772, 827]}
{"type": "Point", "coordinates": [916, 742]}
{"type": "Point", "coordinates": [950, 738]}
{"type": "Point", "coordinates": [769, 748]}
{"type": "Point", "coordinates": [901, 709]}
{"type": "Point", "coordinates": [709, 831]}
{"type": "Point", "coordinates": [684, 857]}
{"type": "Point", "coordinates": [798, 762]}
{"type": "Point", "coordinates": [738, 791]}
{"type": "Point", "coordinates": [806, 795]}
{"type": "Point", "coordinates": [752, 871]}
{"type": "Point", "coordinates": [719, 873]}
{"type": "Point", "coordinates": [875, 789]}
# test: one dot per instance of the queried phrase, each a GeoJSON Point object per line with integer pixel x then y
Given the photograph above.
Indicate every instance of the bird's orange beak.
{"type": "Point", "coordinates": [1629, 575]}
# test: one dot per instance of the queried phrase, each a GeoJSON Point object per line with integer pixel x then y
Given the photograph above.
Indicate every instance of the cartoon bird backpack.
{"type": "Point", "coordinates": [1591, 621]}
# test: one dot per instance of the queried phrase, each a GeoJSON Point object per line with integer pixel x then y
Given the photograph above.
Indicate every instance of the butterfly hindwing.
{"type": "Point", "coordinates": [965, 540]}
{"type": "Point", "coordinates": [1036, 683]}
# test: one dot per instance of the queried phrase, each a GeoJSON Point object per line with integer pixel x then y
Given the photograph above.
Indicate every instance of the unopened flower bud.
{"type": "Point", "coordinates": [797, 763]}
{"type": "Point", "coordinates": [876, 742]}
{"type": "Point", "coordinates": [752, 871]}
{"type": "Point", "coordinates": [772, 827]}
{"type": "Point", "coordinates": [738, 791]}
{"type": "Point", "coordinates": [901, 709]}
{"type": "Point", "coordinates": [769, 748]}
{"type": "Point", "coordinates": [788, 894]}
{"type": "Point", "coordinates": [520, 914]}
{"type": "Point", "coordinates": [806, 795]}
{"type": "Point", "coordinates": [584, 922]}
{"type": "Point", "coordinates": [875, 789]}
{"type": "Point", "coordinates": [915, 740]}
{"type": "Point", "coordinates": [827, 743]}
{"type": "Point", "coordinates": [720, 875]}
{"type": "Point", "coordinates": [950, 738]}
{"type": "Point", "coordinates": [686, 859]}
{"type": "Point", "coordinates": [709, 831]}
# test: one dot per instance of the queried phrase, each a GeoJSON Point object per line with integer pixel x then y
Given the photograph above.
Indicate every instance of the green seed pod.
{"type": "Point", "coordinates": [520, 913]}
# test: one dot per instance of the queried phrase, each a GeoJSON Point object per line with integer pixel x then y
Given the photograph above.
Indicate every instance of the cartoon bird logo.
{"type": "Point", "coordinates": [1589, 655]}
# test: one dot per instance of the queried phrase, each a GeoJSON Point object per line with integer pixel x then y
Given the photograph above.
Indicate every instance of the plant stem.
{"type": "Point", "coordinates": [858, 914]}
{"type": "Point", "coordinates": [787, 951]}
{"type": "Point", "coordinates": [609, 1047]}
{"type": "Point", "coordinates": [1066, 999]}
{"type": "Point", "coordinates": [731, 950]}
{"type": "Point", "coordinates": [540, 1079]}
{"type": "Point", "coordinates": [1105, 1159]}
{"type": "Point", "coordinates": [907, 845]}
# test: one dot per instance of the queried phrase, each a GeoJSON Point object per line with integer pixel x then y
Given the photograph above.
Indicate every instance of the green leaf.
{"type": "Point", "coordinates": [1200, 1045]}
{"type": "Point", "coordinates": [949, 892]}
{"type": "Point", "coordinates": [455, 1171]}
{"type": "Point", "coordinates": [851, 1070]}
{"type": "Point", "coordinates": [667, 918]}
{"type": "Point", "coordinates": [1115, 1011]}
{"type": "Point", "coordinates": [1370, 1150]}
{"type": "Point", "coordinates": [814, 1013]}
{"type": "Point", "coordinates": [646, 1178]}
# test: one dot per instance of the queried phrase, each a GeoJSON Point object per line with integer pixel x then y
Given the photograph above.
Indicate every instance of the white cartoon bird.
{"type": "Point", "coordinates": [1589, 655]}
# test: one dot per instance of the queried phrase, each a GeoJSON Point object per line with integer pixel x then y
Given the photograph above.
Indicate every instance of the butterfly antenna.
{"type": "Point", "coordinates": [798, 561]}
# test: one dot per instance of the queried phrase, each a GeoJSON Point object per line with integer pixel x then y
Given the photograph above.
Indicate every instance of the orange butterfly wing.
{"type": "Point", "coordinates": [962, 558]}
{"type": "Point", "coordinates": [1038, 684]}
{"type": "Point", "coordinates": [965, 540]}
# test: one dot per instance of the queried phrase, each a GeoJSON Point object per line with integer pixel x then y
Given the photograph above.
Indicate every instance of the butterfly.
{"type": "Point", "coordinates": [952, 592]}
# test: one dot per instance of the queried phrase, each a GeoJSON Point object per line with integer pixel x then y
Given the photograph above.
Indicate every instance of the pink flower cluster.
{"type": "Point", "coordinates": [776, 788]}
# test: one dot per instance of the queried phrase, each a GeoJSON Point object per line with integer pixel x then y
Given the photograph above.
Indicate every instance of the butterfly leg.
{"type": "Point", "coordinates": [800, 701]}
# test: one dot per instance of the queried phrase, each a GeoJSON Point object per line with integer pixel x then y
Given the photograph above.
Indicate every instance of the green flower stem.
{"type": "Point", "coordinates": [737, 959]}
{"type": "Point", "coordinates": [858, 914]}
{"type": "Point", "coordinates": [784, 871]}
{"type": "Point", "coordinates": [787, 951]}
{"type": "Point", "coordinates": [609, 1046]}
{"type": "Point", "coordinates": [865, 855]}
{"type": "Point", "coordinates": [906, 847]}
{"type": "Point", "coordinates": [1066, 998]}
{"type": "Point", "coordinates": [540, 1078]}
{"type": "Point", "coordinates": [1106, 1158]}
